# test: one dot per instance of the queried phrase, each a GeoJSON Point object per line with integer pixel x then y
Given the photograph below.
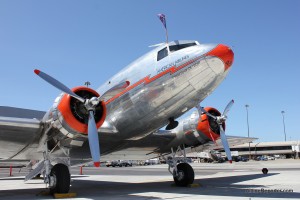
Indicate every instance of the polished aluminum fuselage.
{"type": "Point", "coordinates": [159, 95]}
{"type": "Point", "coordinates": [161, 90]}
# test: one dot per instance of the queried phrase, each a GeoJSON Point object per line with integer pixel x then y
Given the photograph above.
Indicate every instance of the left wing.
{"type": "Point", "coordinates": [18, 129]}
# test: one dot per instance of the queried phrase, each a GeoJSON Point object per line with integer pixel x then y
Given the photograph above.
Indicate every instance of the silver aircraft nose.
{"type": "Point", "coordinates": [223, 52]}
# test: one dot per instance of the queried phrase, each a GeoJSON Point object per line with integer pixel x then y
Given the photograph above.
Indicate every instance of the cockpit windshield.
{"type": "Point", "coordinates": [173, 46]}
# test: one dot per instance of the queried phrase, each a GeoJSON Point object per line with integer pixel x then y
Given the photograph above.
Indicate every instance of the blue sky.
{"type": "Point", "coordinates": [78, 41]}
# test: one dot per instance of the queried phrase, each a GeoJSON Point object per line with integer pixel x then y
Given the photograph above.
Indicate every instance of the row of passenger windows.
{"type": "Point", "coordinates": [164, 52]}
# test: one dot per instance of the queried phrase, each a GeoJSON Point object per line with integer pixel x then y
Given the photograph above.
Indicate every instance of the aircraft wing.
{"type": "Point", "coordinates": [153, 145]}
{"type": "Point", "coordinates": [150, 146]}
{"type": "Point", "coordinates": [18, 129]}
{"type": "Point", "coordinates": [232, 140]}
{"type": "Point", "coordinates": [236, 140]}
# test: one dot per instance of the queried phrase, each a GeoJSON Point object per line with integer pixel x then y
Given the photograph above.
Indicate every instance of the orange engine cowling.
{"type": "Point", "coordinates": [70, 115]}
{"type": "Point", "coordinates": [208, 126]}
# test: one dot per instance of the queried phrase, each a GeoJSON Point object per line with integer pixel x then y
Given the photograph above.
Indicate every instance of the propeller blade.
{"type": "Point", "coordinates": [225, 144]}
{"type": "Point", "coordinates": [207, 113]}
{"type": "Point", "coordinates": [228, 107]}
{"type": "Point", "coordinates": [93, 139]}
{"type": "Point", "coordinates": [57, 84]}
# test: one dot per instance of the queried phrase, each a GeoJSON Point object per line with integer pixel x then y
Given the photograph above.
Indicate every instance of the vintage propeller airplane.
{"type": "Point", "coordinates": [125, 121]}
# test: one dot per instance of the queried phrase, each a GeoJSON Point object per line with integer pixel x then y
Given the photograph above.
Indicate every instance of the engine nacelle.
{"type": "Point", "coordinates": [70, 115]}
{"type": "Point", "coordinates": [208, 126]}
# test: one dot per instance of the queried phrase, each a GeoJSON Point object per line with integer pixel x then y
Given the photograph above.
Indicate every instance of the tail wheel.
{"type": "Point", "coordinates": [62, 178]}
{"type": "Point", "coordinates": [185, 175]}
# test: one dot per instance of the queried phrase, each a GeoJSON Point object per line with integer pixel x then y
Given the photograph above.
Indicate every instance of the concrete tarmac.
{"type": "Point", "coordinates": [242, 180]}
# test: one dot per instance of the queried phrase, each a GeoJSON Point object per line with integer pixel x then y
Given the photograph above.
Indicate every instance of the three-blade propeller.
{"type": "Point", "coordinates": [220, 120]}
{"type": "Point", "coordinates": [90, 105]}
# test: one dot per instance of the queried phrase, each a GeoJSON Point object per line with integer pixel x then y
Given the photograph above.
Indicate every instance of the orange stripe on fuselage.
{"type": "Point", "coordinates": [148, 80]}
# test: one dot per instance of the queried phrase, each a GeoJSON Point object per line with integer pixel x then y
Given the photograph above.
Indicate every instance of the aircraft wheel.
{"type": "Point", "coordinates": [185, 175]}
{"type": "Point", "coordinates": [62, 178]}
{"type": "Point", "coordinates": [264, 170]}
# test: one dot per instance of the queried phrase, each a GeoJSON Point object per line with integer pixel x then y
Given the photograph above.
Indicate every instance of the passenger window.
{"type": "Point", "coordinates": [162, 53]}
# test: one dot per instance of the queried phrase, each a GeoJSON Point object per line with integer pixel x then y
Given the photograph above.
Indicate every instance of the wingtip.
{"type": "Point", "coordinates": [97, 164]}
{"type": "Point", "coordinates": [37, 71]}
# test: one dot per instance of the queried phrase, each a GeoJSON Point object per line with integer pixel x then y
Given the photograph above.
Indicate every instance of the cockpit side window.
{"type": "Point", "coordinates": [162, 53]}
{"type": "Point", "coordinates": [181, 46]}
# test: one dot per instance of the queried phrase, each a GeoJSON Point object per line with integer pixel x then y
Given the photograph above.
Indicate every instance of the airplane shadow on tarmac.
{"type": "Point", "coordinates": [221, 186]}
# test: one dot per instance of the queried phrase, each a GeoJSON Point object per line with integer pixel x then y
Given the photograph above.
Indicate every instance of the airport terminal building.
{"type": "Point", "coordinates": [289, 149]}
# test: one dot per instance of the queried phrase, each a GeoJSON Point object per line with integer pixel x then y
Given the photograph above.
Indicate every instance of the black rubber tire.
{"type": "Point", "coordinates": [265, 171]}
{"type": "Point", "coordinates": [63, 178]}
{"type": "Point", "coordinates": [188, 175]}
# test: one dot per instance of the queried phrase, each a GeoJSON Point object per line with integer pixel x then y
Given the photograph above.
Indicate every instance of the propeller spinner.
{"type": "Point", "coordinates": [90, 105]}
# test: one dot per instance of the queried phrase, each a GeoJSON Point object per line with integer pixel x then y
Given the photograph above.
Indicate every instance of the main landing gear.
{"type": "Point", "coordinates": [183, 173]}
{"type": "Point", "coordinates": [56, 177]}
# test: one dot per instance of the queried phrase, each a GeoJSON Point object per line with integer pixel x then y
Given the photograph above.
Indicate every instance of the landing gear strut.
{"type": "Point", "coordinates": [183, 173]}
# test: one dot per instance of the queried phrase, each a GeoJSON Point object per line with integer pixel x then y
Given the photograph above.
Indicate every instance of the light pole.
{"type": "Point", "coordinates": [247, 106]}
{"type": "Point", "coordinates": [255, 149]}
{"type": "Point", "coordinates": [282, 112]}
